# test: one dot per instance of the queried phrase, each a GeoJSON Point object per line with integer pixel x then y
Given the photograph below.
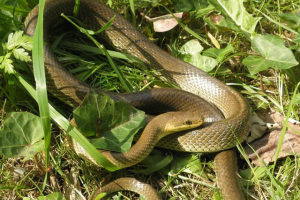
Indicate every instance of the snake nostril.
{"type": "Point", "coordinates": [188, 122]}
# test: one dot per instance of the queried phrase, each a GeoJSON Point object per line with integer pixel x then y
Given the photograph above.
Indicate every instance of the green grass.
{"type": "Point", "coordinates": [81, 56]}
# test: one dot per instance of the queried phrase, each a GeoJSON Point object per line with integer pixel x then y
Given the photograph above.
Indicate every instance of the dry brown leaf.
{"type": "Point", "coordinates": [266, 146]}
{"type": "Point", "coordinates": [164, 23]}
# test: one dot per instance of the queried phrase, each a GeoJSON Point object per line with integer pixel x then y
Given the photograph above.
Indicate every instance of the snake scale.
{"type": "Point", "coordinates": [218, 134]}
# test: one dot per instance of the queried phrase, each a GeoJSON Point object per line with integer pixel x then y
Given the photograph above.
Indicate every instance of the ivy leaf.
{"type": "Point", "coordinates": [192, 47]}
{"type": "Point", "coordinates": [114, 122]}
{"type": "Point", "coordinates": [21, 54]}
{"type": "Point", "coordinates": [222, 23]}
{"type": "Point", "coordinates": [21, 135]}
{"type": "Point", "coordinates": [190, 52]}
{"type": "Point", "coordinates": [273, 54]}
{"type": "Point", "coordinates": [236, 11]}
{"type": "Point", "coordinates": [204, 63]}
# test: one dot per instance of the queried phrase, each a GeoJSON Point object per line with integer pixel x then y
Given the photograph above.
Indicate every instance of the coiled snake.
{"type": "Point", "coordinates": [217, 134]}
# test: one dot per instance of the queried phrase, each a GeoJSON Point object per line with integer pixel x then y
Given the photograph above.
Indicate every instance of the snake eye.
{"type": "Point", "coordinates": [188, 122]}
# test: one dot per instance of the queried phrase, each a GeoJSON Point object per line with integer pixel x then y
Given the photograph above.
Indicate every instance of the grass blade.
{"type": "Point", "coordinates": [40, 79]}
{"type": "Point", "coordinates": [131, 2]}
{"type": "Point", "coordinates": [73, 132]}
{"type": "Point", "coordinates": [127, 86]}
{"type": "Point", "coordinates": [283, 130]}
{"type": "Point", "coordinates": [278, 24]}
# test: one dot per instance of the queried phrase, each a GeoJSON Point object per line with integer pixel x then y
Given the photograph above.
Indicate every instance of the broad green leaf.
{"type": "Point", "coordinates": [202, 62]}
{"type": "Point", "coordinates": [273, 54]}
{"type": "Point", "coordinates": [190, 52]}
{"type": "Point", "coordinates": [61, 121]}
{"type": "Point", "coordinates": [219, 54]}
{"type": "Point", "coordinates": [192, 47]}
{"type": "Point", "coordinates": [88, 115]}
{"type": "Point", "coordinates": [21, 135]}
{"type": "Point", "coordinates": [53, 196]}
{"type": "Point", "coordinates": [115, 122]}
{"type": "Point", "coordinates": [21, 54]}
{"type": "Point", "coordinates": [257, 64]}
{"type": "Point", "coordinates": [237, 13]}
{"type": "Point", "coordinates": [220, 22]}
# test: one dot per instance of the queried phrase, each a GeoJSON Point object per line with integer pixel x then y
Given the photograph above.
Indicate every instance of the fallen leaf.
{"type": "Point", "coordinates": [259, 127]}
{"type": "Point", "coordinates": [266, 146]}
{"type": "Point", "coordinates": [165, 22]}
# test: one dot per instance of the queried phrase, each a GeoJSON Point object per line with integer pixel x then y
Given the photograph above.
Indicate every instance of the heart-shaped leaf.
{"type": "Point", "coordinates": [236, 11]}
{"type": "Point", "coordinates": [111, 124]}
{"type": "Point", "coordinates": [273, 53]}
{"type": "Point", "coordinates": [21, 135]}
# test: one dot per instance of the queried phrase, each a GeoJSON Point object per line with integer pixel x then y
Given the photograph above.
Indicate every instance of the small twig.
{"type": "Point", "coordinates": [262, 84]}
{"type": "Point", "coordinates": [41, 169]}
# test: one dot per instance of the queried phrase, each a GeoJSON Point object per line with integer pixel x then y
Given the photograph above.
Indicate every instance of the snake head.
{"type": "Point", "coordinates": [181, 120]}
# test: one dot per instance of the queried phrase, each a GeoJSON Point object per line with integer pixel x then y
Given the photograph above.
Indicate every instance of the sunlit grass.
{"type": "Point", "coordinates": [86, 61]}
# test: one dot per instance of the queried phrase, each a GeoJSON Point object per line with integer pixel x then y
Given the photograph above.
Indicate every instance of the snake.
{"type": "Point", "coordinates": [219, 133]}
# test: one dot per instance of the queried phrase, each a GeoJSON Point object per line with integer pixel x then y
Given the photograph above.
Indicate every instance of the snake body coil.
{"type": "Point", "coordinates": [213, 137]}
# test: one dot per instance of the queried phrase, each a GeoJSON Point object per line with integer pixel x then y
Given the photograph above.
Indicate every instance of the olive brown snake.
{"type": "Point", "coordinates": [217, 135]}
